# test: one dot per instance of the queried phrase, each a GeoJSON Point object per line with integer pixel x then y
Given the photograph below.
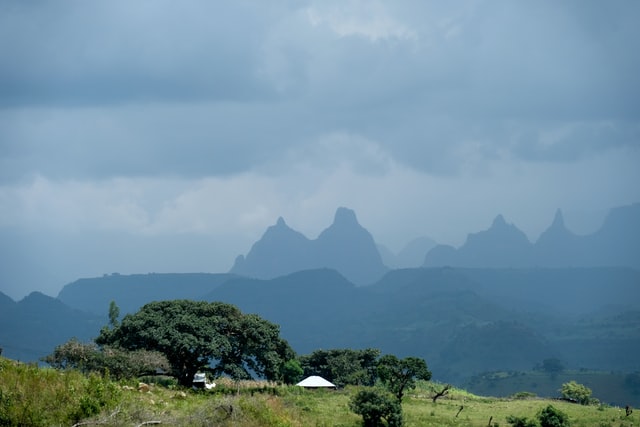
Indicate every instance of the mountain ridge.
{"type": "Point", "coordinates": [345, 246]}
{"type": "Point", "coordinates": [502, 245]}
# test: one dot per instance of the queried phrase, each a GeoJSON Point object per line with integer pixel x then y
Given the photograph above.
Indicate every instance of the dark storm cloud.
{"type": "Point", "coordinates": [202, 88]}
{"type": "Point", "coordinates": [93, 53]}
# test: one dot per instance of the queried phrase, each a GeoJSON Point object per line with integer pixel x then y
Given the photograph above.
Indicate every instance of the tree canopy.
{"type": "Point", "coordinates": [399, 375]}
{"type": "Point", "coordinates": [342, 366]}
{"type": "Point", "coordinates": [376, 406]}
{"type": "Point", "coordinates": [578, 392]}
{"type": "Point", "coordinates": [199, 335]}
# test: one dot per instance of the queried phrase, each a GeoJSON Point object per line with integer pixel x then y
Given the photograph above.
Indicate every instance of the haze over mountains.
{"type": "Point", "coordinates": [616, 243]}
{"type": "Point", "coordinates": [345, 246]}
{"type": "Point", "coordinates": [499, 302]}
{"type": "Point", "coordinates": [349, 248]}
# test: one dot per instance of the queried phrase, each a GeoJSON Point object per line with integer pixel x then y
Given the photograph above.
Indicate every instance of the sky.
{"type": "Point", "coordinates": [163, 136]}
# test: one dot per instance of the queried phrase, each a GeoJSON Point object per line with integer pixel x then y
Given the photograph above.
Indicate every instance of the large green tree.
{"type": "Point", "coordinates": [199, 335]}
{"type": "Point", "coordinates": [399, 375]}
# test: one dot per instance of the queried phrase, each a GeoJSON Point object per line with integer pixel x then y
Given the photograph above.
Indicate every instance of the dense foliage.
{"type": "Point", "coordinates": [198, 335]}
{"type": "Point", "coordinates": [578, 392]}
{"type": "Point", "coordinates": [342, 366]}
{"type": "Point", "coordinates": [516, 421]}
{"type": "Point", "coordinates": [400, 375]}
{"type": "Point", "coordinates": [552, 417]}
{"type": "Point", "coordinates": [119, 363]}
{"type": "Point", "coordinates": [376, 406]}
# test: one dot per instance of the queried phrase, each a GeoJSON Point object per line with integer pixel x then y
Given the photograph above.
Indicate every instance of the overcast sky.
{"type": "Point", "coordinates": [140, 136]}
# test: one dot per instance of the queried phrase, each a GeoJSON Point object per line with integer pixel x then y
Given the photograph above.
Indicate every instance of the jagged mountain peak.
{"type": "Point", "coordinates": [558, 220]}
{"type": "Point", "coordinates": [344, 246]}
{"type": "Point", "coordinates": [345, 216]}
{"type": "Point", "coordinates": [499, 222]}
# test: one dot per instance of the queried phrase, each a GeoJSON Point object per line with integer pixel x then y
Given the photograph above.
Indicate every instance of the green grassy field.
{"type": "Point", "coordinates": [32, 396]}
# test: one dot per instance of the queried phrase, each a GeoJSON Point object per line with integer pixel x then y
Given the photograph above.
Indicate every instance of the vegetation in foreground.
{"type": "Point", "coordinates": [104, 383]}
{"type": "Point", "coordinates": [36, 396]}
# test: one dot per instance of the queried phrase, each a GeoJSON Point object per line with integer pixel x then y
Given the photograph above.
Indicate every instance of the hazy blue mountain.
{"type": "Point", "coordinates": [5, 301]}
{"type": "Point", "coordinates": [501, 246]}
{"type": "Point", "coordinates": [314, 308]}
{"type": "Point", "coordinates": [411, 256]}
{"type": "Point", "coordinates": [389, 258]}
{"type": "Point", "coordinates": [130, 292]}
{"type": "Point", "coordinates": [32, 327]}
{"type": "Point", "coordinates": [461, 320]}
{"type": "Point", "coordinates": [559, 247]}
{"type": "Point", "coordinates": [349, 248]}
{"type": "Point", "coordinates": [344, 246]}
{"type": "Point", "coordinates": [616, 243]}
{"type": "Point", "coordinates": [280, 251]}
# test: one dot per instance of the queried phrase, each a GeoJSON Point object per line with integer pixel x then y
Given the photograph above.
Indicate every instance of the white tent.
{"type": "Point", "coordinates": [315, 381]}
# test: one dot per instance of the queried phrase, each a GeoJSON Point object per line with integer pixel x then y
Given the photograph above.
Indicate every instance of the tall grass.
{"type": "Point", "coordinates": [33, 396]}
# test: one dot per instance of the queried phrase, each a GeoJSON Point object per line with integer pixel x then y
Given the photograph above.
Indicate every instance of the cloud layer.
{"type": "Point", "coordinates": [158, 118]}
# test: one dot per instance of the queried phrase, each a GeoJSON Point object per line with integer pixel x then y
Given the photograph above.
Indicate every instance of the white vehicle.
{"type": "Point", "coordinates": [200, 381]}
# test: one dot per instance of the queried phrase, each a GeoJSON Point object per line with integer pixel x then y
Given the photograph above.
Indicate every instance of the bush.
{"type": "Point", "coordinates": [87, 357]}
{"type": "Point", "coordinates": [521, 421]}
{"type": "Point", "coordinates": [578, 392]}
{"type": "Point", "coordinates": [552, 417]}
{"type": "Point", "coordinates": [374, 406]}
{"type": "Point", "coordinates": [521, 395]}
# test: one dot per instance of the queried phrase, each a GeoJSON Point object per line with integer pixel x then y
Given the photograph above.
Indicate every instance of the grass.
{"type": "Point", "coordinates": [32, 396]}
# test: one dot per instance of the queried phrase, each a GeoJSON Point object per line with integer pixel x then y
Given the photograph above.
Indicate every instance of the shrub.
{"type": "Point", "coordinates": [552, 417]}
{"type": "Point", "coordinates": [521, 421]}
{"type": "Point", "coordinates": [87, 357]}
{"type": "Point", "coordinates": [374, 406]}
{"type": "Point", "coordinates": [521, 395]}
{"type": "Point", "coordinates": [578, 392]}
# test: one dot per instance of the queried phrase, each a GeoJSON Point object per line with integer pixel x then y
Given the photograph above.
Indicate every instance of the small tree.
{"type": "Point", "coordinates": [375, 406]}
{"type": "Point", "coordinates": [578, 392]}
{"type": "Point", "coordinates": [114, 314]}
{"type": "Point", "coordinates": [552, 417]}
{"type": "Point", "coordinates": [521, 421]}
{"type": "Point", "coordinates": [291, 372]}
{"type": "Point", "coordinates": [399, 375]}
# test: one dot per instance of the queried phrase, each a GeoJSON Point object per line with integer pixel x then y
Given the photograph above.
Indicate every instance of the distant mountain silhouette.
{"type": "Point", "coordinates": [345, 246]}
{"type": "Point", "coordinates": [616, 243]}
{"type": "Point", "coordinates": [130, 292]}
{"type": "Point", "coordinates": [501, 246]}
{"type": "Point", "coordinates": [411, 256]}
{"type": "Point", "coordinates": [462, 321]}
{"type": "Point", "coordinates": [32, 327]}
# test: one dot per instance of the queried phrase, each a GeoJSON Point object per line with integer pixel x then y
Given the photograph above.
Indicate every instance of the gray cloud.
{"type": "Point", "coordinates": [151, 116]}
{"type": "Point", "coordinates": [203, 88]}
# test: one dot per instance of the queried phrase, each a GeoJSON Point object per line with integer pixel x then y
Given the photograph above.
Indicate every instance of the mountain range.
{"type": "Point", "coordinates": [462, 321]}
{"type": "Point", "coordinates": [350, 249]}
{"type": "Point", "coordinates": [345, 246]}
{"type": "Point", "coordinates": [616, 243]}
{"type": "Point", "coordinates": [499, 302]}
